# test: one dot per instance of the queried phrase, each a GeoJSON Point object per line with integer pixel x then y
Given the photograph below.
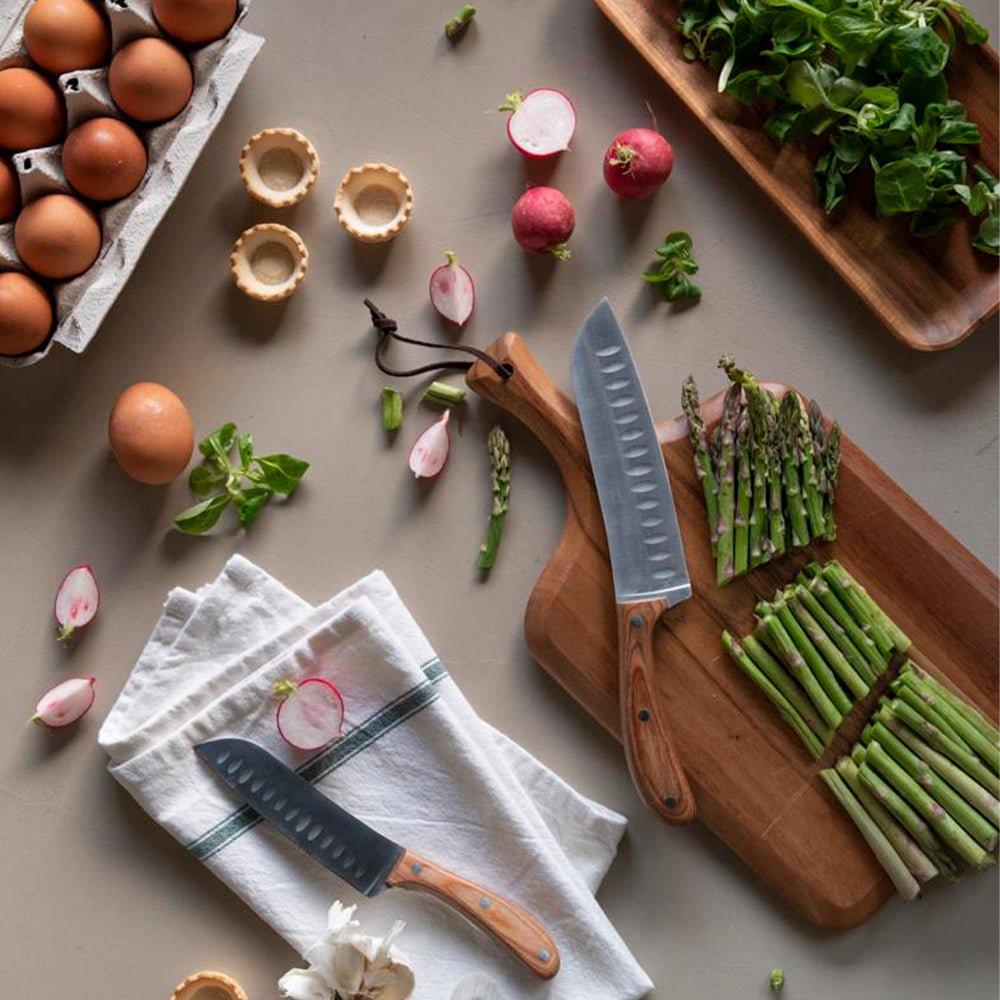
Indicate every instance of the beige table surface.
{"type": "Point", "coordinates": [96, 903]}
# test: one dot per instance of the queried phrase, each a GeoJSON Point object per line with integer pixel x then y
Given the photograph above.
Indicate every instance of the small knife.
{"type": "Point", "coordinates": [361, 856]}
{"type": "Point", "coordinates": [647, 557]}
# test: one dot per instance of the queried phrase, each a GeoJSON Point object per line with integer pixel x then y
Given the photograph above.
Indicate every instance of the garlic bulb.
{"type": "Point", "coordinates": [344, 965]}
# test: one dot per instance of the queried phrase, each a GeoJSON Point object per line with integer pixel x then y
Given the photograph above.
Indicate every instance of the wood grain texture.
{"type": "Point", "coordinates": [931, 293]}
{"type": "Point", "coordinates": [509, 923]}
{"type": "Point", "coordinates": [756, 787]}
{"type": "Point", "coordinates": [657, 771]}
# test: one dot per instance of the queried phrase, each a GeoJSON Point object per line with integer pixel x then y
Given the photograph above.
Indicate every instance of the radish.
{"type": "Point", "coordinates": [310, 714]}
{"type": "Point", "coordinates": [638, 162]}
{"type": "Point", "coordinates": [541, 122]}
{"type": "Point", "coordinates": [65, 703]}
{"type": "Point", "coordinates": [543, 220]}
{"type": "Point", "coordinates": [77, 600]}
{"type": "Point", "coordinates": [430, 450]}
{"type": "Point", "coordinates": [453, 292]}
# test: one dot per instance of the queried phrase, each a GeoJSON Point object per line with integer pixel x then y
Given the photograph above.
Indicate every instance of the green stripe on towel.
{"type": "Point", "coordinates": [362, 736]}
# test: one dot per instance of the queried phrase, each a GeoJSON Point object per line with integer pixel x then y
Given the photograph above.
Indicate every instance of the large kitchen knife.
{"type": "Point", "coordinates": [361, 856]}
{"type": "Point", "coordinates": [647, 557]}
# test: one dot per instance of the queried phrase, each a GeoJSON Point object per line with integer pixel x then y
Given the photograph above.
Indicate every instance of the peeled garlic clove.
{"type": "Point", "coordinates": [430, 450]}
{"type": "Point", "coordinates": [303, 984]}
{"type": "Point", "coordinates": [65, 703]}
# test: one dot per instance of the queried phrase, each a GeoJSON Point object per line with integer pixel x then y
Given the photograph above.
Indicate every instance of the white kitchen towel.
{"type": "Point", "coordinates": [416, 762]}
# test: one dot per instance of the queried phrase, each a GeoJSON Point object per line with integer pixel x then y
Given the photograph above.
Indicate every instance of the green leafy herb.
{"type": "Point", "coordinates": [866, 77]}
{"type": "Point", "coordinates": [671, 274]}
{"type": "Point", "coordinates": [458, 24]}
{"type": "Point", "coordinates": [248, 485]}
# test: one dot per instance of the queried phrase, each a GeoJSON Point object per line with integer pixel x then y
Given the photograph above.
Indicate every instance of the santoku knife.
{"type": "Point", "coordinates": [647, 557]}
{"type": "Point", "coordinates": [361, 856]}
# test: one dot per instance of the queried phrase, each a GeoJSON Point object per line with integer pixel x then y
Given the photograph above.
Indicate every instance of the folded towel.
{"type": "Point", "coordinates": [416, 762]}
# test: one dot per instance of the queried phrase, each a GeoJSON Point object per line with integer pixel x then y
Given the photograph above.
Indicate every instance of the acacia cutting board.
{"type": "Point", "coordinates": [931, 293]}
{"type": "Point", "coordinates": [757, 789]}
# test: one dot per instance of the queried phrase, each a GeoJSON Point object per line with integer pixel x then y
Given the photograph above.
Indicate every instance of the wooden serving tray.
{"type": "Point", "coordinates": [931, 293]}
{"type": "Point", "coordinates": [756, 786]}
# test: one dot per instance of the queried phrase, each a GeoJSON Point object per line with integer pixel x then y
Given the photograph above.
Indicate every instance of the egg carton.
{"type": "Point", "coordinates": [173, 147]}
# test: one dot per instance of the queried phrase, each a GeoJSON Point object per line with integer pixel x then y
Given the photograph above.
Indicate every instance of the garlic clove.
{"type": "Point", "coordinates": [349, 964]}
{"type": "Point", "coordinates": [304, 984]}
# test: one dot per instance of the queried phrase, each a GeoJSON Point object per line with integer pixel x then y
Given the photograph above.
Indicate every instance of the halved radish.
{"type": "Point", "coordinates": [453, 292]}
{"type": "Point", "coordinates": [541, 122]}
{"type": "Point", "coordinates": [430, 450]}
{"type": "Point", "coordinates": [310, 714]}
{"type": "Point", "coordinates": [65, 703]}
{"type": "Point", "coordinates": [77, 600]}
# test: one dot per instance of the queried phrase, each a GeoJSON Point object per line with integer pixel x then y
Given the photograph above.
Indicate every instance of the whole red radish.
{"type": "Point", "coordinates": [453, 292]}
{"type": "Point", "coordinates": [310, 714]}
{"type": "Point", "coordinates": [638, 162]}
{"type": "Point", "coordinates": [541, 122]}
{"type": "Point", "coordinates": [543, 221]}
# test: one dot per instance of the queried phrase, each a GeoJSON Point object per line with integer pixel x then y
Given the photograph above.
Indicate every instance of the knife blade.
{"type": "Point", "coordinates": [644, 543]}
{"type": "Point", "coordinates": [363, 857]}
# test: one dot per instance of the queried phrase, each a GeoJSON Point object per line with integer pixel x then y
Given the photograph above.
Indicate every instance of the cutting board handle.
{"type": "Point", "coordinates": [511, 925]}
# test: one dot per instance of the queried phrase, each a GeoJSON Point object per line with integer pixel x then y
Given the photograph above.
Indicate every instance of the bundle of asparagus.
{"type": "Point", "coordinates": [768, 472]}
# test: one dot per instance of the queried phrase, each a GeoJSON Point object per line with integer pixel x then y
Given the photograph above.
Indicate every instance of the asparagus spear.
{"type": "Point", "coordinates": [905, 693]}
{"type": "Point", "coordinates": [850, 597]}
{"type": "Point", "coordinates": [775, 485]}
{"type": "Point", "coordinates": [920, 866]}
{"type": "Point", "coordinates": [831, 462]}
{"type": "Point", "coordinates": [725, 477]}
{"type": "Point", "coordinates": [741, 523]}
{"type": "Point", "coordinates": [836, 632]}
{"type": "Point", "coordinates": [498, 448]}
{"type": "Point", "coordinates": [784, 706]}
{"type": "Point", "coordinates": [900, 640]}
{"type": "Point", "coordinates": [888, 857]}
{"type": "Point", "coordinates": [702, 456]}
{"type": "Point", "coordinates": [789, 442]}
{"type": "Point", "coordinates": [811, 484]}
{"type": "Point", "coordinates": [819, 588]}
{"type": "Point", "coordinates": [958, 703]}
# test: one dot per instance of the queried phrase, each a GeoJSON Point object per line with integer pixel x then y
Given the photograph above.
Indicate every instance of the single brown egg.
{"type": "Point", "coordinates": [195, 22]}
{"type": "Point", "coordinates": [150, 80]}
{"type": "Point", "coordinates": [31, 110]}
{"type": "Point", "coordinates": [25, 313]}
{"type": "Point", "coordinates": [66, 35]}
{"type": "Point", "coordinates": [104, 159]}
{"type": "Point", "coordinates": [10, 190]}
{"type": "Point", "coordinates": [151, 433]}
{"type": "Point", "coordinates": [57, 236]}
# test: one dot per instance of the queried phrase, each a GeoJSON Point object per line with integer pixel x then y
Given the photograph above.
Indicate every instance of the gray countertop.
{"type": "Point", "coordinates": [96, 900]}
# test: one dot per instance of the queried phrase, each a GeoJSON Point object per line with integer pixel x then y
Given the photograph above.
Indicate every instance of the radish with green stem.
{"type": "Point", "coordinates": [541, 122]}
{"type": "Point", "coordinates": [638, 162]}
{"type": "Point", "coordinates": [310, 714]}
{"type": "Point", "coordinates": [543, 221]}
{"type": "Point", "coordinates": [66, 703]}
{"type": "Point", "coordinates": [453, 292]}
{"type": "Point", "coordinates": [77, 600]}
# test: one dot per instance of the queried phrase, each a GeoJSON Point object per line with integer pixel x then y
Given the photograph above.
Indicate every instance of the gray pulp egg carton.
{"type": "Point", "coordinates": [173, 147]}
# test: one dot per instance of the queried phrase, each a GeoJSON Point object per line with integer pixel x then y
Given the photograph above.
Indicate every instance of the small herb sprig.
{"type": "Point", "coordinates": [266, 475]}
{"type": "Point", "coordinates": [671, 273]}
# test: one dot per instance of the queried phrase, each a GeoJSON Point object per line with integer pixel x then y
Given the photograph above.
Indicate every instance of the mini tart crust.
{"type": "Point", "coordinates": [374, 202]}
{"type": "Point", "coordinates": [285, 143]}
{"type": "Point", "coordinates": [269, 262]}
{"type": "Point", "coordinates": [193, 986]}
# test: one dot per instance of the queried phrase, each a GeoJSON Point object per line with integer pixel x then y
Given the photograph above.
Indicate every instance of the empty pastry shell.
{"type": "Point", "coordinates": [209, 986]}
{"type": "Point", "coordinates": [279, 166]}
{"type": "Point", "coordinates": [269, 262]}
{"type": "Point", "coordinates": [374, 202]}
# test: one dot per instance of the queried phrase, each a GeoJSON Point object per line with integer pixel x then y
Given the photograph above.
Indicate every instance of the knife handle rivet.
{"type": "Point", "coordinates": [485, 902]}
{"type": "Point", "coordinates": [644, 716]}
{"type": "Point", "coordinates": [670, 801]}
{"type": "Point", "coordinates": [543, 956]}
{"type": "Point", "coordinates": [635, 621]}
{"type": "Point", "coordinates": [416, 868]}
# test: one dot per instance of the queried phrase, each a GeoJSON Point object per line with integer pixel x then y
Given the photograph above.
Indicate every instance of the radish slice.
{"type": "Point", "coordinates": [430, 450]}
{"type": "Point", "coordinates": [310, 714]}
{"type": "Point", "coordinates": [65, 703]}
{"type": "Point", "coordinates": [453, 292]}
{"type": "Point", "coordinates": [541, 122]}
{"type": "Point", "coordinates": [77, 600]}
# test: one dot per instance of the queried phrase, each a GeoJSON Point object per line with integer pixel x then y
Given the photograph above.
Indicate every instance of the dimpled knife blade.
{"type": "Point", "coordinates": [647, 556]}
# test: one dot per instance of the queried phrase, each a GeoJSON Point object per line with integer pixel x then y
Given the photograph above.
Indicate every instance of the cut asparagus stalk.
{"type": "Point", "coordinates": [849, 596]}
{"type": "Point", "coordinates": [772, 633]}
{"type": "Point", "coordinates": [725, 477]}
{"type": "Point", "coordinates": [975, 825]}
{"type": "Point", "coordinates": [498, 449]}
{"type": "Point", "coordinates": [900, 640]}
{"type": "Point", "coordinates": [835, 631]}
{"type": "Point", "coordinates": [784, 706]}
{"type": "Point", "coordinates": [825, 645]}
{"type": "Point", "coordinates": [957, 702]}
{"type": "Point", "coordinates": [788, 437]}
{"type": "Point", "coordinates": [888, 857]}
{"type": "Point", "coordinates": [832, 462]}
{"type": "Point", "coordinates": [741, 523]}
{"type": "Point", "coordinates": [959, 755]}
{"type": "Point", "coordinates": [944, 825]}
{"type": "Point", "coordinates": [920, 866]}
{"type": "Point", "coordinates": [702, 456]}
{"type": "Point", "coordinates": [810, 475]}
{"type": "Point", "coordinates": [819, 588]}
{"type": "Point", "coordinates": [902, 687]}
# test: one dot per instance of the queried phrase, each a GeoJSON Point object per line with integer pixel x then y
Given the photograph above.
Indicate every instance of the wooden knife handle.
{"type": "Point", "coordinates": [506, 921]}
{"type": "Point", "coordinates": [649, 748]}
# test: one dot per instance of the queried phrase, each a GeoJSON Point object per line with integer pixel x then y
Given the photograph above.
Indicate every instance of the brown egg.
{"type": "Point", "coordinates": [104, 159]}
{"type": "Point", "coordinates": [57, 236]}
{"type": "Point", "coordinates": [31, 110]}
{"type": "Point", "coordinates": [10, 190]}
{"type": "Point", "coordinates": [150, 80]}
{"type": "Point", "coordinates": [151, 433]}
{"type": "Point", "coordinates": [195, 22]}
{"type": "Point", "coordinates": [66, 35]}
{"type": "Point", "coordinates": [25, 313]}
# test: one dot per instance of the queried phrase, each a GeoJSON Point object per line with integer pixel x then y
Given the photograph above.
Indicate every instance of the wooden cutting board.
{"type": "Point", "coordinates": [757, 788]}
{"type": "Point", "coordinates": [931, 293]}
